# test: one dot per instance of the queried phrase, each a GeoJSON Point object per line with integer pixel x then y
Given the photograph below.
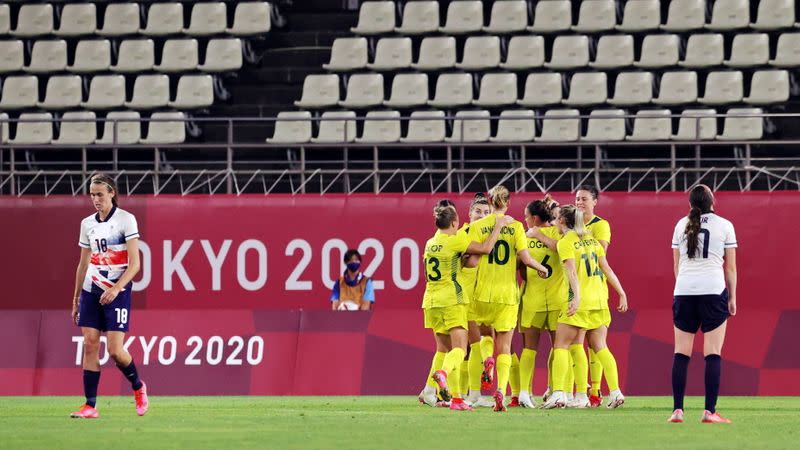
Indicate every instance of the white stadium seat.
{"type": "Point", "coordinates": [613, 51]}
{"type": "Point", "coordinates": [723, 87]}
{"type": "Point", "coordinates": [788, 51]}
{"type": "Point", "coordinates": [120, 19]}
{"type": "Point", "coordinates": [740, 125]}
{"type": "Point", "coordinates": [515, 125]}
{"type": "Point", "coordinates": [12, 56]}
{"type": "Point", "coordinates": [704, 50]}
{"type": "Point", "coordinates": [207, 19]}
{"type": "Point", "coordinates": [480, 52]}
{"type": "Point", "coordinates": [768, 87]}
{"type": "Point", "coordinates": [694, 125]}
{"type": "Point", "coordinates": [497, 89]}
{"type": "Point", "coordinates": [774, 14]}
{"type": "Point", "coordinates": [552, 16]}
{"type": "Point", "coordinates": [640, 15]}
{"type": "Point", "coordinates": [48, 56]}
{"type": "Point", "coordinates": [685, 15]}
{"type": "Point", "coordinates": [508, 16]}
{"type": "Point", "coordinates": [392, 54]}
{"type": "Point", "coordinates": [292, 127]}
{"type": "Point", "coordinates": [135, 55]}
{"type": "Point", "coordinates": [381, 127]}
{"type": "Point", "coordinates": [436, 53]}
{"type": "Point", "coordinates": [425, 126]}
{"type": "Point", "coordinates": [106, 92]}
{"type": "Point", "coordinates": [364, 90]}
{"type": "Point", "coordinates": [4, 126]}
{"type": "Point", "coordinates": [471, 126]}
{"type": "Point", "coordinates": [348, 54]}
{"type": "Point", "coordinates": [164, 19]}
{"type": "Point", "coordinates": [452, 89]}
{"type": "Point", "coordinates": [524, 52]}
{"type": "Point", "coordinates": [19, 92]}
{"type": "Point", "coordinates": [633, 88]}
{"type": "Point", "coordinates": [589, 88]}
{"type": "Point", "coordinates": [34, 20]}
{"type": "Point", "coordinates": [33, 129]}
{"type": "Point", "coordinates": [408, 89]}
{"type": "Point", "coordinates": [165, 128]}
{"type": "Point", "coordinates": [179, 55]}
{"type": "Point", "coordinates": [603, 125]}
{"type": "Point", "coordinates": [149, 91]}
{"type": "Point", "coordinates": [5, 21]}
{"type": "Point", "coordinates": [569, 52]}
{"type": "Point", "coordinates": [749, 50]}
{"type": "Point", "coordinates": [250, 19]}
{"type": "Point", "coordinates": [222, 55]}
{"type": "Point", "coordinates": [127, 127]}
{"type": "Point", "coordinates": [77, 19]}
{"type": "Point", "coordinates": [77, 127]}
{"type": "Point", "coordinates": [596, 16]}
{"type": "Point", "coordinates": [729, 15]}
{"type": "Point", "coordinates": [334, 128]}
{"type": "Point", "coordinates": [463, 16]}
{"type": "Point", "coordinates": [375, 18]}
{"type": "Point", "coordinates": [542, 89]}
{"type": "Point", "coordinates": [560, 125]}
{"type": "Point", "coordinates": [194, 91]}
{"type": "Point", "coordinates": [319, 91]}
{"type": "Point", "coordinates": [91, 56]}
{"type": "Point", "coordinates": [677, 88]}
{"type": "Point", "coordinates": [420, 17]}
{"type": "Point", "coordinates": [62, 92]}
{"type": "Point", "coordinates": [652, 125]}
{"type": "Point", "coordinates": [659, 50]}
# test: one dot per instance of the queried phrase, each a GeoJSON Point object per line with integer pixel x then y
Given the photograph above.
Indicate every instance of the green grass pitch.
{"type": "Point", "coordinates": [389, 422]}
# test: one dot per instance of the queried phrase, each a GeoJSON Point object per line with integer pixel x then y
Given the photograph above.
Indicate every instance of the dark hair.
{"type": "Point", "coordinates": [350, 253]}
{"type": "Point", "coordinates": [478, 199]}
{"type": "Point", "coordinates": [701, 201]}
{"type": "Point", "coordinates": [591, 189]}
{"type": "Point", "coordinates": [541, 209]}
{"type": "Point", "coordinates": [102, 178]}
{"type": "Point", "coordinates": [444, 213]}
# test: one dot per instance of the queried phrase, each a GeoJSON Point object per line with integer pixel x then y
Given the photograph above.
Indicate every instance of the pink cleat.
{"type": "Point", "coordinates": [514, 403]}
{"type": "Point", "coordinates": [86, 412]}
{"type": "Point", "coordinates": [458, 404]}
{"type": "Point", "coordinates": [595, 401]}
{"type": "Point", "coordinates": [440, 377]}
{"type": "Point", "coordinates": [498, 402]}
{"type": "Point", "coordinates": [442, 404]}
{"type": "Point", "coordinates": [714, 417]}
{"type": "Point", "coordinates": [140, 396]}
{"type": "Point", "coordinates": [676, 417]}
{"type": "Point", "coordinates": [488, 374]}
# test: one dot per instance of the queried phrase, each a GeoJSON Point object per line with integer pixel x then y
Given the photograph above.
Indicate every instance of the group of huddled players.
{"type": "Point", "coordinates": [473, 303]}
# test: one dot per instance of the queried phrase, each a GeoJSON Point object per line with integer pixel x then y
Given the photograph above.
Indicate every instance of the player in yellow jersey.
{"type": "Point", "coordinates": [585, 267]}
{"type": "Point", "coordinates": [586, 201]}
{"type": "Point", "coordinates": [444, 302]}
{"type": "Point", "coordinates": [542, 299]}
{"type": "Point", "coordinates": [496, 291]}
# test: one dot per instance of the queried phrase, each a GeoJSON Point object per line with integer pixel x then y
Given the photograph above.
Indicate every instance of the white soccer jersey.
{"type": "Point", "coordinates": [107, 239]}
{"type": "Point", "coordinates": [703, 274]}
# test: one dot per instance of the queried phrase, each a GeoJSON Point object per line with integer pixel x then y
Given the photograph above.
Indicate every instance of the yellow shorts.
{"type": "Point", "coordinates": [499, 316]}
{"type": "Point", "coordinates": [587, 320]}
{"type": "Point", "coordinates": [606, 317]}
{"type": "Point", "coordinates": [443, 319]}
{"type": "Point", "coordinates": [543, 320]}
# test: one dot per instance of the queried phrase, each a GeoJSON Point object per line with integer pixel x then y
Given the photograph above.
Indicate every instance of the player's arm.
{"type": "Point", "coordinates": [485, 247]}
{"type": "Point", "coordinates": [730, 278]}
{"type": "Point", "coordinates": [133, 268]}
{"type": "Point", "coordinates": [676, 261]}
{"type": "Point", "coordinates": [536, 233]}
{"type": "Point", "coordinates": [572, 277]}
{"type": "Point", "coordinates": [614, 282]}
{"type": "Point", "coordinates": [470, 261]}
{"type": "Point", "coordinates": [526, 259]}
{"type": "Point", "coordinates": [80, 274]}
{"type": "Point", "coordinates": [604, 244]}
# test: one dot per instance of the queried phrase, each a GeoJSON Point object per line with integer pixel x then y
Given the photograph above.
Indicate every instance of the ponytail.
{"type": "Point", "coordinates": [701, 201]}
{"type": "Point", "coordinates": [573, 219]}
{"type": "Point", "coordinates": [444, 213]}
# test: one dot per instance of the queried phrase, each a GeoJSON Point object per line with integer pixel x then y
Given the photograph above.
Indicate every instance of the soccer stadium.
{"type": "Point", "coordinates": [399, 223]}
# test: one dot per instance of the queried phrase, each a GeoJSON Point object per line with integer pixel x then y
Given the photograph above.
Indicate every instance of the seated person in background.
{"type": "Point", "coordinates": [353, 291]}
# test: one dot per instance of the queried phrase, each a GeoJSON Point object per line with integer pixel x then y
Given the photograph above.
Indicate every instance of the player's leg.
{"type": "Point", "coordinates": [503, 340]}
{"type": "Point", "coordinates": [580, 372]}
{"type": "Point", "coordinates": [680, 369]}
{"type": "Point", "coordinates": [513, 380]}
{"type": "Point", "coordinates": [91, 373]}
{"type": "Point", "coordinates": [596, 372]}
{"type": "Point", "coordinates": [565, 335]}
{"type": "Point", "coordinates": [459, 339]}
{"type": "Point", "coordinates": [117, 315]}
{"type": "Point", "coordinates": [597, 340]}
{"type": "Point", "coordinates": [712, 350]}
{"type": "Point", "coordinates": [474, 363]}
{"type": "Point", "coordinates": [487, 345]}
{"type": "Point", "coordinates": [428, 394]}
{"type": "Point", "coordinates": [527, 363]}
{"type": "Point", "coordinates": [550, 383]}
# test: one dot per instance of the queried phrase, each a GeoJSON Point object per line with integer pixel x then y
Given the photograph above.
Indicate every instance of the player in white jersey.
{"type": "Point", "coordinates": [704, 254]}
{"type": "Point", "coordinates": [109, 241]}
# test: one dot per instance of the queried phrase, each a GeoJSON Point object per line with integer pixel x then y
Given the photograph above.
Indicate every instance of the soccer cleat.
{"type": "Point", "coordinates": [570, 396]}
{"type": "Point", "coordinates": [473, 397]}
{"type": "Point", "coordinates": [547, 394]}
{"type": "Point", "coordinates": [514, 403]}
{"type": "Point", "coordinates": [525, 400]}
{"type": "Point", "coordinates": [442, 404]}
{"type": "Point", "coordinates": [709, 417]}
{"type": "Point", "coordinates": [488, 374]}
{"type": "Point", "coordinates": [595, 400]}
{"type": "Point", "coordinates": [676, 417]}
{"type": "Point", "coordinates": [484, 402]}
{"type": "Point", "coordinates": [140, 396]}
{"type": "Point", "coordinates": [498, 402]}
{"type": "Point", "coordinates": [428, 396]}
{"type": "Point", "coordinates": [85, 412]}
{"type": "Point", "coordinates": [458, 404]}
{"type": "Point", "coordinates": [615, 399]}
{"type": "Point", "coordinates": [579, 401]}
{"type": "Point", "coordinates": [558, 399]}
{"type": "Point", "coordinates": [440, 377]}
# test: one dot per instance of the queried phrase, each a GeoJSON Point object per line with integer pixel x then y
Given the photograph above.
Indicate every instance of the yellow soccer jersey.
{"type": "Point", "coordinates": [585, 252]}
{"type": "Point", "coordinates": [497, 271]}
{"type": "Point", "coordinates": [469, 275]}
{"type": "Point", "coordinates": [540, 294]}
{"type": "Point", "coordinates": [600, 229]}
{"type": "Point", "coordinates": [442, 270]}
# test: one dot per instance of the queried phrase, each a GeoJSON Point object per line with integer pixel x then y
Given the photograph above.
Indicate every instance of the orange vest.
{"type": "Point", "coordinates": [353, 294]}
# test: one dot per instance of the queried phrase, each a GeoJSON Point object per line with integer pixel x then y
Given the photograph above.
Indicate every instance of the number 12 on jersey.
{"type": "Point", "coordinates": [596, 272]}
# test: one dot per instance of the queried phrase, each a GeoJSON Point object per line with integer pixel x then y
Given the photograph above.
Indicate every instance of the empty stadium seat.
{"type": "Point", "coordinates": [613, 51]}
{"type": "Point", "coordinates": [135, 55]}
{"type": "Point", "coordinates": [381, 127]}
{"type": "Point", "coordinates": [436, 53]}
{"type": "Point", "coordinates": [408, 89]}
{"type": "Point", "coordinates": [677, 88]}
{"type": "Point", "coordinates": [420, 17]}
{"type": "Point", "coordinates": [774, 14]}
{"type": "Point", "coordinates": [222, 55]}
{"type": "Point", "coordinates": [694, 125]}
{"type": "Point", "coordinates": [542, 89]}
{"type": "Point", "coordinates": [659, 50]}
{"type": "Point", "coordinates": [464, 16]}
{"type": "Point", "coordinates": [739, 125]}
{"type": "Point", "coordinates": [497, 89]}
{"type": "Point", "coordinates": [704, 50]}
{"type": "Point", "coordinates": [91, 56]}
{"type": "Point", "coordinates": [348, 54]}
{"type": "Point", "coordinates": [334, 128]}
{"type": "Point", "coordinates": [723, 88]}
{"type": "Point", "coordinates": [587, 89]}
{"type": "Point", "coordinates": [508, 16]}
{"type": "Point", "coordinates": [788, 51]}
{"type": "Point", "coordinates": [319, 91]}
{"type": "Point", "coordinates": [5, 21]}
{"type": "Point", "coordinates": [178, 55]}
{"type": "Point", "coordinates": [207, 19]}
{"type": "Point", "coordinates": [651, 125]}
{"type": "Point", "coordinates": [768, 87]}
{"type": "Point", "coordinates": [640, 15]}
{"type": "Point", "coordinates": [164, 19]}
{"type": "Point", "coordinates": [4, 127]}
{"type": "Point", "coordinates": [77, 19]}
{"type": "Point", "coordinates": [471, 126]}
{"type": "Point", "coordinates": [569, 52]}
{"type": "Point", "coordinates": [375, 18]}
{"type": "Point", "coordinates": [749, 50]}
{"type": "Point", "coordinates": [729, 15]}
{"type": "Point", "coordinates": [515, 125]}
{"type": "Point", "coordinates": [48, 56]}
{"type": "Point", "coordinates": [552, 16]}
{"type": "Point", "coordinates": [106, 92]}
{"type": "Point", "coordinates": [524, 52]}
{"type": "Point", "coordinates": [560, 125]}
{"type": "Point", "coordinates": [250, 18]}
{"type": "Point", "coordinates": [194, 91]}
{"type": "Point", "coordinates": [77, 127]}
{"type": "Point", "coordinates": [62, 92]}
{"type": "Point", "coordinates": [149, 91]}
{"type": "Point", "coordinates": [120, 19]}
{"type": "Point", "coordinates": [165, 128]}
{"type": "Point", "coordinates": [633, 88]}
{"type": "Point", "coordinates": [596, 15]}
{"type": "Point", "coordinates": [600, 128]}
{"type": "Point", "coordinates": [480, 52]}
{"type": "Point", "coordinates": [34, 128]}
{"type": "Point", "coordinates": [34, 20]}
{"type": "Point", "coordinates": [392, 54]}
{"type": "Point", "coordinates": [292, 127]}
{"type": "Point", "coordinates": [12, 56]}
{"type": "Point", "coordinates": [452, 89]}
{"type": "Point", "coordinates": [19, 92]}
{"type": "Point", "coordinates": [685, 15]}
{"type": "Point", "coordinates": [425, 126]}
{"type": "Point", "coordinates": [363, 90]}
{"type": "Point", "coordinates": [125, 124]}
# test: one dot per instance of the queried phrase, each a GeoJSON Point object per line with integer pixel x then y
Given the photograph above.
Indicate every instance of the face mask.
{"type": "Point", "coordinates": [353, 266]}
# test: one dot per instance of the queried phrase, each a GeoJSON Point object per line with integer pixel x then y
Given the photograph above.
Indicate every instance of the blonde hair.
{"type": "Point", "coordinates": [573, 218]}
{"type": "Point", "coordinates": [444, 213]}
{"type": "Point", "coordinates": [499, 197]}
